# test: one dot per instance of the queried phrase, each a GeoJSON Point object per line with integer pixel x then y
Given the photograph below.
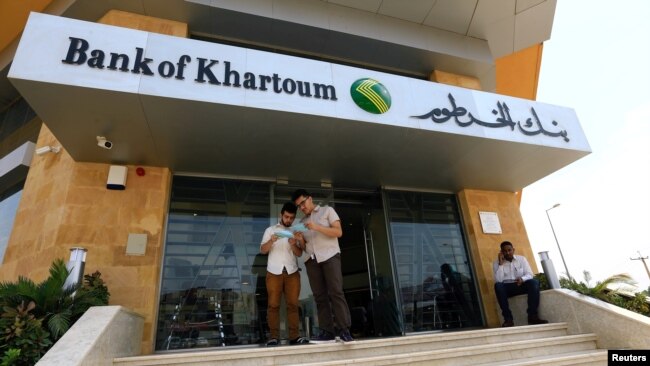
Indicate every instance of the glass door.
{"type": "Point", "coordinates": [436, 287]}
{"type": "Point", "coordinates": [365, 260]}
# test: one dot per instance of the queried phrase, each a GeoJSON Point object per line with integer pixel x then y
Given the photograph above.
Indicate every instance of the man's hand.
{"type": "Point", "coordinates": [298, 239]}
{"type": "Point", "coordinates": [334, 231]}
{"type": "Point", "coordinates": [311, 226]}
{"type": "Point", "coordinates": [519, 281]}
{"type": "Point", "coordinates": [501, 258]}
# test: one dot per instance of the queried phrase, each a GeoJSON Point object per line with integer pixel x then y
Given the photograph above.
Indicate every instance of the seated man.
{"type": "Point", "coordinates": [513, 276]}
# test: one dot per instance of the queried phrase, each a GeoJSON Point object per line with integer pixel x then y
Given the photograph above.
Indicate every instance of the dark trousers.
{"type": "Point", "coordinates": [506, 290]}
{"type": "Point", "coordinates": [326, 281]}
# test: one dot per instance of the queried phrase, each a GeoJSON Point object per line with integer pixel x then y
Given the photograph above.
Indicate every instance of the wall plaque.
{"type": "Point", "coordinates": [490, 222]}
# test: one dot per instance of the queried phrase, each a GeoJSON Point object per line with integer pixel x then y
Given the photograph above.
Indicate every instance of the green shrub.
{"type": "Point", "coordinates": [543, 281]}
{"type": "Point", "coordinates": [601, 291]}
{"type": "Point", "coordinates": [50, 311]}
{"type": "Point", "coordinates": [10, 357]}
{"type": "Point", "coordinates": [21, 330]}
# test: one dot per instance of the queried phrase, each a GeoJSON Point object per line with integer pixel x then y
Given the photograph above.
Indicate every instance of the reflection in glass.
{"type": "Point", "coordinates": [212, 271]}
{"type": "Point", "coordinates": [436, 285]}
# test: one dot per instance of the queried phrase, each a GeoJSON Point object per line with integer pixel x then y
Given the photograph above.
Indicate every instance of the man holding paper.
{"type": "Point", "coordinates": [282, 276]}
{"type": "Point", "coordinates": [324, 267]}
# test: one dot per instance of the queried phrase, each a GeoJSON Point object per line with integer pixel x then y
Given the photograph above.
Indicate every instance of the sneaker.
{"type": "Point", "coordinates": [345, 336]}
{"type": "Point", "coordinates": [299, 340]}
{"type": "Point", "coordinates": [323, 337]}
{"type": "Point", "coordinates": [508, 323]}
{"type": "Point", "coordinates": [272, 342]}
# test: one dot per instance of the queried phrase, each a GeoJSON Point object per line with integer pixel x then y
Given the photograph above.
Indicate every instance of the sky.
{"type": "Point", "coordinates": [598, 63]}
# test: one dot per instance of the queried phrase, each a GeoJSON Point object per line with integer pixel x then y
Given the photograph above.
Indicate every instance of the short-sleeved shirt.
{"type": "Point", "coordinates": [280, 255]}
{"type": "Point", "coordinates": [320, 246]}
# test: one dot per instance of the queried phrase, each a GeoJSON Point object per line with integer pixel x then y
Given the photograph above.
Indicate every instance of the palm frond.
{"type": "Point", "coordinates": [51, 291]}
{"type": "Point", "coordinates": [13, 293]}
{"type": "Point", "coordinates": [59, 323]}
{"type": "Point", "coordinates": [621, 278]}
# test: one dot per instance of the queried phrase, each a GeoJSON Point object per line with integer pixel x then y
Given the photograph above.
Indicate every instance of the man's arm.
{"type": "Point", "coordinates": [267, 241]}
{"type": "Point", "coordinates": [333, 231]}
{"type": "Point", "coordinates": [296, 246]}
{"type": "Point", "coordinates": [528, 272]}
{"type": "Point", "coordinates": [498, 271]}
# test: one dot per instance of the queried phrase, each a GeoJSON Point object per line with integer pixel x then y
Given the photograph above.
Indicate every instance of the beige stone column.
{"type": "Point", "coordinates": [449, 78]}
{"type": "Point", "coordinates": [485, 247]}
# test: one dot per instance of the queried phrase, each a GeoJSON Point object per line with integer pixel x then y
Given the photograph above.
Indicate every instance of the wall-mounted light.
{"type": "Point", "coordinates": [75, 267]}
{"type": "Point", "coordinates": [47, 149]}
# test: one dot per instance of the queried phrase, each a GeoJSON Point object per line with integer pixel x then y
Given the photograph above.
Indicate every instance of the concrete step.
{"type": "Point", "coordinates": [473, 355]}
{"type": "Point", "coordinates": [595, 357]}
{"type": "Point", "coordinates": [362, 349]}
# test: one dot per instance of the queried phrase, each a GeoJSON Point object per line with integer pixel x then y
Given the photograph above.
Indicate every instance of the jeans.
{"type": "Point", "coordinates": [289, 285]}
{"type": "Point", "coordinates": [326, 281]}
{"type": "Point", "coordinates": [506, 290]}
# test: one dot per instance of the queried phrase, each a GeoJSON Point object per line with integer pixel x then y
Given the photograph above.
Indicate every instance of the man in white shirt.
{"type": "Point", "coordinates": [324, 267]}
{"type": "Point", "coordinates": [513, 276]}
{"type": "Point", "coordinates": [282, 276]}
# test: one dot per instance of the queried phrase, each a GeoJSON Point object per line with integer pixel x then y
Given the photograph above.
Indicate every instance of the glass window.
{"type": "Point", "coordinates": [211, 280]}
{"type": "Point", "coordinates": [436, 285]}
{"type": "Point", "coordinates": [8, 208]}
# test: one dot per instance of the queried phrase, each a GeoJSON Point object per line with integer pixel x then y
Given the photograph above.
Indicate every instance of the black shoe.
{"type": "Point", "coordinates": [323, 337]}
{"type": "Point", "coordinates": [345, 336]}
{"type": "Point", "coordinates": [299, 340]}
{"type": "Point", "coordinates": [508, 323]}
{"type": "Point", "coordinates": [272, 342]}
{"type": "Point", "coordinates": [533, 320]}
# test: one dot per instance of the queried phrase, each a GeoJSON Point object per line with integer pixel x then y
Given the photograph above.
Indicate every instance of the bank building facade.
{"type": "Point", "coordinates": [164, 137]}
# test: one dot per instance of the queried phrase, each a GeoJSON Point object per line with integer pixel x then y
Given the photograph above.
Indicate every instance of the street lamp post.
{"type": "Point", "coordinates": [556, 241]}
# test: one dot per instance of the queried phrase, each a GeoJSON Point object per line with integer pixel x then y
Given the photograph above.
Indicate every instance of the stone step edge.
{"type": "Point", "coordinates": [462, 351]}
{"type": "Point", "coordinates": [568, 358]}
{"type": "Point", "coordinates": [366, 343]}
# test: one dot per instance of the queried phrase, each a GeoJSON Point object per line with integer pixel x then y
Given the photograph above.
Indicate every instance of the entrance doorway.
{"type": "Point", "coordinates": [365, 260]}
{"type": "Point", "coordinates": [366, 265]}
{"type": "Point", "coordinates": [404, 262]}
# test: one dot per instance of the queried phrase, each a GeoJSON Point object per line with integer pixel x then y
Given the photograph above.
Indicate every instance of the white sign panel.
{"type": "Point", "coordinates": [90, 55]}
{"type": "Point", "coordinates": [490, 222]}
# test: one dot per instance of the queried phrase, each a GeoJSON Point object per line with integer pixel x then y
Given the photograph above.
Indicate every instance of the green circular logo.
{"type": "Point", "coordinates": [370, 95]}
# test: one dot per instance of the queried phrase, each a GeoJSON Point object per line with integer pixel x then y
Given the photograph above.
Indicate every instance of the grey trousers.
{"type": "Point", "coordinates": [326, 281]}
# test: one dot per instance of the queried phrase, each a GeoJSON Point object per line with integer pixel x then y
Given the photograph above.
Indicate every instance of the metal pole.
{"type": "Point", "coordinates": [642, 259]}
{"type": "Point", "coordinates": [549, 270]}
{"type": "Point", "coordinates": [556, 241]}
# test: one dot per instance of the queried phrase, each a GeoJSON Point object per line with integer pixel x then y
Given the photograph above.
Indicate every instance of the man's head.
{"type": "Point", "coordinates": [508, 250]}
{"type": "Point", "coordinates": [303, 201]}
{"type": "Point", "coordinates": [287, 214]}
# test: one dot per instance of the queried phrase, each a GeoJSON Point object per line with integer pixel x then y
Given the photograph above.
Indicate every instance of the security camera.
{"type": "Point", "coordinates": [47, 149]}
{"type": "Point", "coordinates": [103, 143]}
